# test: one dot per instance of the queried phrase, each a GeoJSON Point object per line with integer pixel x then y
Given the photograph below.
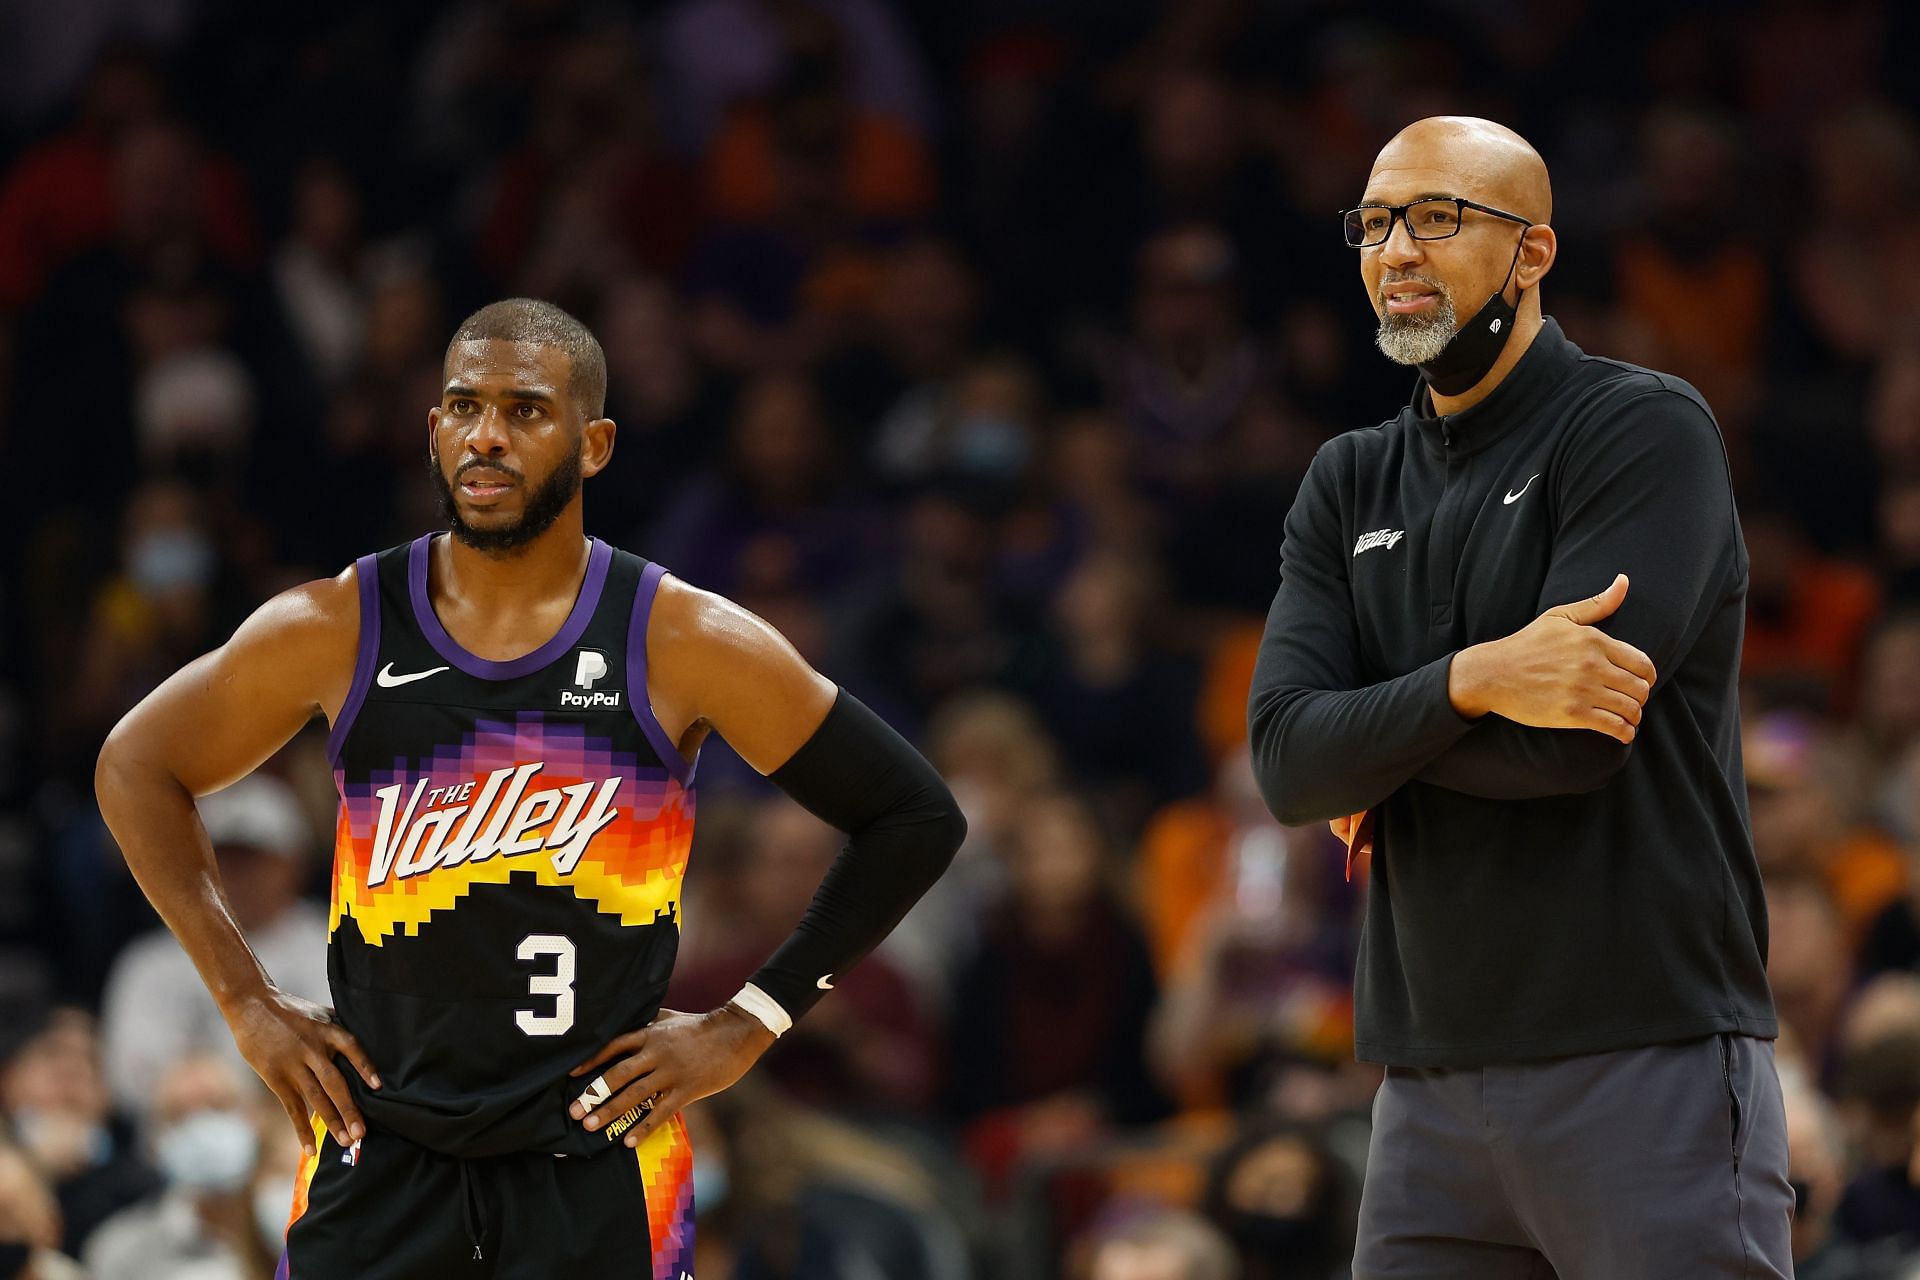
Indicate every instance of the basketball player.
{"type": "Point", "coordinates": [516, 712]}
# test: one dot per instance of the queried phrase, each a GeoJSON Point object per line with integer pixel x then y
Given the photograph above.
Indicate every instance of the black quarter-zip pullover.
{"type": "Point", "coordinates": [1534, 892]}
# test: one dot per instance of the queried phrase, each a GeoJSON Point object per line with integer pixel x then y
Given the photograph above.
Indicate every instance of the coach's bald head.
{"type": "Point", "coordinates": [1466, 156]}
{"type": "Point", "coordinates": [1423, 290]}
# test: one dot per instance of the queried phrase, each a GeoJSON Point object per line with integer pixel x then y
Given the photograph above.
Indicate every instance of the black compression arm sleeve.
{"type": "Point", "coordinates": [903, 827]}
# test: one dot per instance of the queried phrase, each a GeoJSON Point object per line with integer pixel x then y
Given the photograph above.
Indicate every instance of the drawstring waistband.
{"type": "Point", "coordinates": [471, 1208]}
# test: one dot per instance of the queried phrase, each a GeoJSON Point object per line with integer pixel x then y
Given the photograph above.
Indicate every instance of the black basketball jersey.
{"type": "Point", "coordinates": [508, 860]}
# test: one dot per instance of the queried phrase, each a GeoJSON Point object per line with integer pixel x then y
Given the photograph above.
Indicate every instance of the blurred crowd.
{"type": "Point", "coordinates": [980, 348]}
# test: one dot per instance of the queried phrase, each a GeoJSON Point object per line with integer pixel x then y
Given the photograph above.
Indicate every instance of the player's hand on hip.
{"type": "Point", "coordinates": [291, 1044]}
{"type": "Point", "coordinates": [1560, 671]}
{"type": "Point", "coordinates": [677, 1059]}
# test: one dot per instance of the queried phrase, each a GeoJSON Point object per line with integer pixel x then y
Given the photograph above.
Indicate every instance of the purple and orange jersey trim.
{"type": "Point", "coordinates": [666, 1178]}
{"type": "Point", "coordinates": [302, 1188]}
{"type": "Point", "coordinates": [540, 789]}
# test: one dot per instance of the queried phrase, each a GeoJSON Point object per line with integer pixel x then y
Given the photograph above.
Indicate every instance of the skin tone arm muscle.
{"type": "Point", "coordinates": [716, 667]}
{"type": "Point", "coordinates": [210, 724]}
{"type": "Point", "coordinates": [712, 667]}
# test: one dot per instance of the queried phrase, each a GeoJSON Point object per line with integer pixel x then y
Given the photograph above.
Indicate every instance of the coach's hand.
{"type": "Point", "coordinates": [677, 1059]}
{"type": "Point", "coordinates": [290, 1043]}
{"type": "Point", "coordinates": [1558, 672]}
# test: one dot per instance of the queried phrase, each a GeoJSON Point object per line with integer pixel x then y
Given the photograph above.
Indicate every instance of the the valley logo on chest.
{"type": "Point", "coordinates": [444, 826]}
{"type": "Point", "coordinates": [589, 668]}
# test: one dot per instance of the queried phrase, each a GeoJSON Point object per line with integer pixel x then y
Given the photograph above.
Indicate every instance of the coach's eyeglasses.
{"type": "Point", "coordinates": [1435, 219]}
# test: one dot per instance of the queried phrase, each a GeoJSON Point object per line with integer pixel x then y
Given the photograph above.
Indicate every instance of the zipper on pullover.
{"type": "Point", "coordinates": [1442, 553]}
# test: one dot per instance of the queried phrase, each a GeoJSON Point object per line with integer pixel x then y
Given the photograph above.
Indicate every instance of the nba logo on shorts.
{"type": "Point", "coordinates": [352, 1154]}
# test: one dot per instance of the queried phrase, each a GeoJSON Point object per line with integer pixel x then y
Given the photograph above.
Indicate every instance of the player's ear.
{"type": "Point", "coordinates": [596, 445]}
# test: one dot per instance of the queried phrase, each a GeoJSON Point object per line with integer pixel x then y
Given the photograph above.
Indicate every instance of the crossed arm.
{"type": "Point", "coordinates": [1550, 710]}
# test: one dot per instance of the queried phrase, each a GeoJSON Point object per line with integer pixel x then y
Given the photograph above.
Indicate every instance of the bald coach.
{"type": "Point", "coordinates": [1503, 658]}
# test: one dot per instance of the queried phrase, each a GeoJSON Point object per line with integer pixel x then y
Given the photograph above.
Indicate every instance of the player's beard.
{"type": "Point", "coordinates": [543, 506]}
{"type": "Point", "coordinates": [1417, 339]}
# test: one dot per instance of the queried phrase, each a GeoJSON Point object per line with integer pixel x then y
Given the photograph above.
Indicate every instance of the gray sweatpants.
{"type": "Point", "coordinates": [1665, 1162]}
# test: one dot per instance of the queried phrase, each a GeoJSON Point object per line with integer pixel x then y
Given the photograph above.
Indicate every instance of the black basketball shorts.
{"type": "Point", "coordinates": [387, 1209]}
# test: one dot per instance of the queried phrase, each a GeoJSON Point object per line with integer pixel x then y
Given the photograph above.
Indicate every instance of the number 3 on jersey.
{"type": "Point", "coordinates": [558, 984]}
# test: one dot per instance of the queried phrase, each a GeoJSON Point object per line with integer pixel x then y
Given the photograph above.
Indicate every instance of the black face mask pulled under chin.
{"type": "Point", "coordinates": [1472, 352]}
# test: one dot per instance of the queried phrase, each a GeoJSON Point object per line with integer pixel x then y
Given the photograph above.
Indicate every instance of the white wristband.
{"type": "Point", "coordinates": [765, 1009]}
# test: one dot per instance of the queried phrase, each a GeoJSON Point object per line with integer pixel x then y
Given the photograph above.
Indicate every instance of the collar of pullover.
{"type": "Point", "coordinates": [1522, 391]}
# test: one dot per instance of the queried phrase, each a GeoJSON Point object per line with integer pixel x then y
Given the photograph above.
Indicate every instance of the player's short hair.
{"type": "Point", "coordinates": [531, 320]}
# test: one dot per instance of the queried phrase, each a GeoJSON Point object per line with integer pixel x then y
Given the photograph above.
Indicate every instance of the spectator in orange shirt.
{"type": "Point", "coordinates": [73, 191]}
{"type": "Point", "coordinates": [802, 184]}
{"type": "Point", "coordinates": [1806, 613]}
{"type": "Point", "coordinates": [1252, 931]}
{"type": "Point", "coordinates": [1690, 278]}
{"type": "Point", "coordinates": [877, 165]}
{"type": "Point", "coordinates": [1193, 856]}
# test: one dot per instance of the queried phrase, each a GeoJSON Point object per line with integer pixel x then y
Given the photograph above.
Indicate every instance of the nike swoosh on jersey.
{"type": "Point", "coordinates": [826, 983]}
{"type": "Point", "coordinates": [1513, 497]}
{"type": "Point", "coordinates": [387, 680]}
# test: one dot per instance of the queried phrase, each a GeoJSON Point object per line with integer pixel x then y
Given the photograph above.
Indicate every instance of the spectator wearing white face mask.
{"type": "Point", "coordinates": [202, 1226]}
